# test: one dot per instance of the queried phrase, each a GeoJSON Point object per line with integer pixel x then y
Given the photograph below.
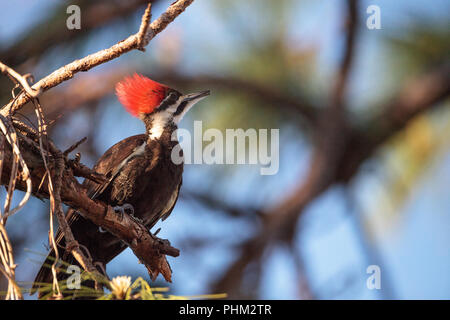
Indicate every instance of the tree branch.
{"type": "Point", "coordinates": [50, 33]}
{"type": "Point", "coordinates": [22, 80]}
{"type": "Point", "coordinates": [351, 27]}
{"type": "Point", "coordinates": [148, 248]}
{"type": "Point", "coordinates": [92, 88]}
{"type": "Point", "coordinates": [68, 71]}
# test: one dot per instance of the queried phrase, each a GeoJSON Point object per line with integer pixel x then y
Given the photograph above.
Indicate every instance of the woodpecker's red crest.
{"type": "Point", "coordinates": [140, 95]}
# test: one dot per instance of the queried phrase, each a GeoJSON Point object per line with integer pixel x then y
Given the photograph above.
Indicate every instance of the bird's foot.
{"type": "Point", "coordinates": [125, 208]}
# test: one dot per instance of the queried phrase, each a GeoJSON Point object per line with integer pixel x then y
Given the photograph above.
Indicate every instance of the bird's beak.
{"type": "Point", "coordinates": [196, 97]}
{"type": "Point", "coordinates": [189, 100]}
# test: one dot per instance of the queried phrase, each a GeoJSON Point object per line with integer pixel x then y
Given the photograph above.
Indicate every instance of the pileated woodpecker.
{"type": "Point", "coordinates": [141, 175]}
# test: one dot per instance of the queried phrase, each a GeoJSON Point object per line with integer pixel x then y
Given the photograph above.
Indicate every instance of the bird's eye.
{"type": "Point", "coordinates": [168, 101]}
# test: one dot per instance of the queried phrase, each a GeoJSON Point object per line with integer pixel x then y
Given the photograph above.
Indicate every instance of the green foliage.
{"type": "Point", "coordinates": [119, 288]}
{"type": "Point", "coordinates": [141, 290]}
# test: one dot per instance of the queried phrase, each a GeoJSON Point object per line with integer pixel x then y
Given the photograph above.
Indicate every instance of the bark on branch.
{"type": "Point", "coordinates": [149, 249]}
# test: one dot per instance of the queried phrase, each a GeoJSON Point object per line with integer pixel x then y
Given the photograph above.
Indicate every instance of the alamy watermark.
{"type": "Point", "coordinates": [374, 19]}
{"type": "Point", "coordinates": [374, 280]}
{"type": "Point", "coordinates": [236, 147]}
{"type": "Point", "coordinates": [74, 20]}
{"type": "Point", "coordinates": [74, 280]}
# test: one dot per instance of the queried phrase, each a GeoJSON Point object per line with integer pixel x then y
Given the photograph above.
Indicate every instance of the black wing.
{"type": "Point", "coordinates": [84, 230]}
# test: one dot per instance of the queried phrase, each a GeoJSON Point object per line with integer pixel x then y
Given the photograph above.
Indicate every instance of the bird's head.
{"type": "Point", "coordinates": [156, 104]}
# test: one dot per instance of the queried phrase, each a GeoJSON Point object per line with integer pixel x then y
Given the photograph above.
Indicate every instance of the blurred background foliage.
{"type": "Point", "coordinates": [269, 64]}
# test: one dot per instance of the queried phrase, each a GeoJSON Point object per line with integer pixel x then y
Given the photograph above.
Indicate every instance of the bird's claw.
{"type": "Point", "coordinates": [124, 207]}
{"type": "Point", "coordinates": [127, 207]}
{"type": "Point", "coordinates": [122, 210]}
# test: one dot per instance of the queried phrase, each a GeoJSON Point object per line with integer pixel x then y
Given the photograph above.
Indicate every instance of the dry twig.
{"type": "Point", "coordinates": [22, 80]}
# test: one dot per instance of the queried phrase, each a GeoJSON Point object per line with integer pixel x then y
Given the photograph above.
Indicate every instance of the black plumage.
{"type": "Point", "coordinates": [150, 182]}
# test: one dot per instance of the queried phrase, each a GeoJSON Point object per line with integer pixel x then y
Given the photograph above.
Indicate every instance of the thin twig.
{"type": "Point", "coordinates": [74, 146]}
{"type": "Point", "coordinates": [11, 136]}
{"type": "Point", "coordinates": [6, 252]}
{"type": "Point", "coordinates": [54, 186]}
{"type": "Point", "coordinates": [143, 30]}
{"type": "Point", "coordinates": [22, 80]}
{"type": "Point", "coordinates": [6, 255]}
{"type": "Point", "coordinates": [51, 234]}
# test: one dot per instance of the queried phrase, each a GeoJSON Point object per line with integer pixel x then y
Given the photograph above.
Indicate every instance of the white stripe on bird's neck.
{"type": "Point", "coordinates": [161, 119]}
{"type": "Point", "coordinates": [159, 122]}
